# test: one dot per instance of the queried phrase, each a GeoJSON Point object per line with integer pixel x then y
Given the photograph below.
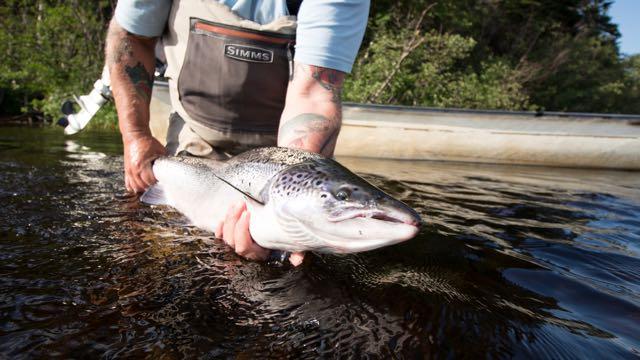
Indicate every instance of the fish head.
{"type": "Point", "coordinates": [330, 209]}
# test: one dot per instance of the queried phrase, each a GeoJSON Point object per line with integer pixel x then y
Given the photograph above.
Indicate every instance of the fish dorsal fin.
{"type": "Point", "coordinates": [154, 196]}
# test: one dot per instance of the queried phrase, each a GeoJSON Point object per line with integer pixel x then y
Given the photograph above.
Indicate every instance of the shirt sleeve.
{"type": "Point", "coordinates": [143, 17]}
{"type": "Point", "coordinates": [330, 32]}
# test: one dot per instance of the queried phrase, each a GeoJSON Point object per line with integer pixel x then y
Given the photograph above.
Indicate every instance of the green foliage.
{"type": "Point", "coordinates": [106, 118]}
{"type": "Point", "coordinates": [590, 80]}
{"type": "Point", "coordinates": [629, 102]}
{"type": "Point", "coordinates": [426, 71]}
{"type": "Point", "coordinates": [50, 50]}
{"type": "Point", "coordinates": [499, 54]}
{"type": "Point", "coordinates": [508, 54]}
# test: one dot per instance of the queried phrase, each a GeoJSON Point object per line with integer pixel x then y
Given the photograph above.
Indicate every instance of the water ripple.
{"type": "Point", "coordinates": [512, 262]}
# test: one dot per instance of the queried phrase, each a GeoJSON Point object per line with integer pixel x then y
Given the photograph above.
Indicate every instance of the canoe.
{"type": "Point", "coordinates": [503, 137]}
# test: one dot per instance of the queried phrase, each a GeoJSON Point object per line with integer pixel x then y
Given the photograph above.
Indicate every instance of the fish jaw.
{"type": "Point", "coordinates": [386, 222]}
{"type": "Point", "coordinates": [390, 210]}
{"type": "Point", "coordinates": [368, 233]}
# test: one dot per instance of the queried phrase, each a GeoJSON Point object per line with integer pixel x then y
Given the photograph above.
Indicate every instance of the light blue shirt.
{"type": "Point", "coordinates": [329, 32]}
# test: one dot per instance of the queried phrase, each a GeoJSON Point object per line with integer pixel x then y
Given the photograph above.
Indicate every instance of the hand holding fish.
{"type": "Point", "coordinates": [234, 231]}
{"type": "Point", "coordinates": [139, 153]}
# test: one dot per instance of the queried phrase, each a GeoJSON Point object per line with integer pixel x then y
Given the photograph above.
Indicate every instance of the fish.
{"type": "Point", "coordinates": [298, 200]}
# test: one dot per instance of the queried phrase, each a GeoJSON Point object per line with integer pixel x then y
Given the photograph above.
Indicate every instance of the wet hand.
{"type": "Point", "coordinates": [234, 231]}
{"type": "Point", "coordinates": [139, 153]}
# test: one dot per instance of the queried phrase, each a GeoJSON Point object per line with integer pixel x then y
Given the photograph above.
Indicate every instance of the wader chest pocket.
{"type": "Point", "coordinates": [235, 79]}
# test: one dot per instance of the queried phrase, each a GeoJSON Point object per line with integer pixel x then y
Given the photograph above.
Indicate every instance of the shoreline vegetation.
{"type": "Point", "coordinates": [511, 55]}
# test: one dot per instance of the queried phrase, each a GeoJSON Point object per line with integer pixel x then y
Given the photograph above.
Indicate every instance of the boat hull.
{"type": "Point", "coordinates": [502, 137]}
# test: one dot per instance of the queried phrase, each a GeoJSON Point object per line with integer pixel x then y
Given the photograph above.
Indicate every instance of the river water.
{"type": "Point", "coordinates": [517, 262]}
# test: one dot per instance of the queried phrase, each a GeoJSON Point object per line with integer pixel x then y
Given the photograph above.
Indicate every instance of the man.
{"type": "Point", "coordinates": [232, 81]}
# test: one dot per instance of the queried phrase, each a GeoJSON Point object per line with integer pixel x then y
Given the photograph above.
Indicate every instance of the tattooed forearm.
{"type": "Point", "coordinates": [309, 131]}
{"type": "Point", "coordinates": [122, 48]}
{"type": "Point", "coordinates": [142, 80]}
{"type": "Point", "coordinates": [312, 115]}
{"type": "Point", "coordinates": [130, 62]}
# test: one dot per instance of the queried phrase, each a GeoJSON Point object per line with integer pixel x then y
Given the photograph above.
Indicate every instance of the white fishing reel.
{"type": "Point", "coordinates": [89, 104]}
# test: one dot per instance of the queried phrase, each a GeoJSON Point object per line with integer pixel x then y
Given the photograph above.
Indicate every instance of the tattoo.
{"type": "Point", "coordinates": [300, 131]}
{"type": "Point", "coordinates": [331, 80]}
{"type": "Point", "coordinates": [120, 53]}
{"type": "Point", "coordinates": [328, 79]}
{"type": "Point", "coordinates": [141, 79]}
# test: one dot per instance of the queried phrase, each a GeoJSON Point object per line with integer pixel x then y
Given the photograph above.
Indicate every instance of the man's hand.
{"type": "Point", "coordinates": [234, 231]}
{"type": "Point", "coordinates": [139, 153]}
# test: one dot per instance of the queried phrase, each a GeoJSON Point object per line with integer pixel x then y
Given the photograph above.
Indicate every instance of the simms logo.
{"type": "Point", "coordinates": [248, 53]}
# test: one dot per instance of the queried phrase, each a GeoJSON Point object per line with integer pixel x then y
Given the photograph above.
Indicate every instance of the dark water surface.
{"type": "Point", "coordinates": [514, 262]}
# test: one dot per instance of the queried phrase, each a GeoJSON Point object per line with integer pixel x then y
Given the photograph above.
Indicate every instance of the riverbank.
{"type": "Point", "coordinates": [24, 119]}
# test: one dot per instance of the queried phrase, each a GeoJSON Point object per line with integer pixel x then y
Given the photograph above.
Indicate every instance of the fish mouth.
{"type": "Point", "coordinates": [389, 215]}
{"type": "Point", "coordinates": [385, 217]}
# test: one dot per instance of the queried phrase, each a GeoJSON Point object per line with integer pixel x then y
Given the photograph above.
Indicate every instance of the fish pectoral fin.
{"type": "Point", "coordinates": [154, 196]}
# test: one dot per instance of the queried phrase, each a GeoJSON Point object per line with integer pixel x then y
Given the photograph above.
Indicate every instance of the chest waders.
{"type": "Point", "coordinates": [228, 78]}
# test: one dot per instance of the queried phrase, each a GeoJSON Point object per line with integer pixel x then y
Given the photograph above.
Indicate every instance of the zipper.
{"type": "Point", "coordinates": [209, 28]}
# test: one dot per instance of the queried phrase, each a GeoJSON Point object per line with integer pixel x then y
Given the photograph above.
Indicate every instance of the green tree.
{"type": "Point", "coordinates": [509, 54]}
{"type": "Point", "coordinates": [498, 54]}
{"type": "Point", "coordinates": [406, 64]}
{"type": "Point", "coordinates": [629, 101]}
{"type": "Point", "coordinates": [50, 50]}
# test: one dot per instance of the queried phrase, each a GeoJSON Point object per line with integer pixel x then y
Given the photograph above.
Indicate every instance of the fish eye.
{"type": "Point", "coordinates": [342, 195]}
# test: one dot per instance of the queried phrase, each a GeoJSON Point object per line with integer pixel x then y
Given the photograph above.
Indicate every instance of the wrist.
{"type": "Point", "coordinates": [132, 135]}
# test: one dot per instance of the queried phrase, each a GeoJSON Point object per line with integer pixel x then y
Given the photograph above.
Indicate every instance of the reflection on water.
{"type": "Point", "coordinates": [513, 262]}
